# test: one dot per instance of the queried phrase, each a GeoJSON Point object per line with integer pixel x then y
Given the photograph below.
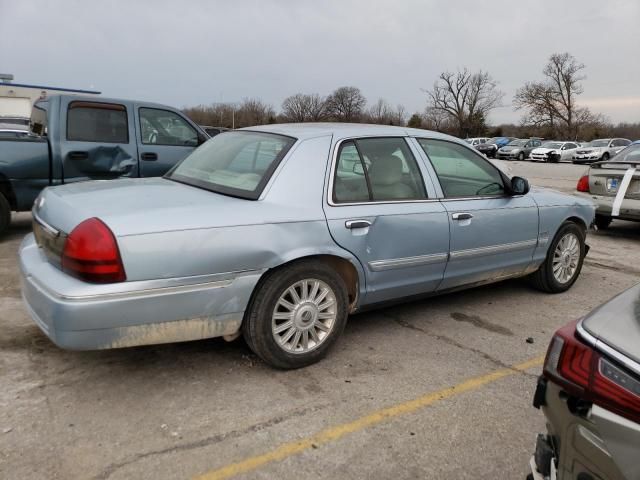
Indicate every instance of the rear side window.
{"type": "Point", "coordinates": [97, 122]}
{"type": "Point", "coordinates": [164, 127]}
{"type": "Point", "coordinates": [461, 172]}
{"type": "Point", "coordinates": [378, 170]}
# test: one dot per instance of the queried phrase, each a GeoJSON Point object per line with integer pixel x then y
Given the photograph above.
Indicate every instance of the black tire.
{"type": "Point", "coordinates": [605, 156]}
{"type": "Point", "coordinates": [5, 214]}
{"type": "Point", "coordinates": [521, 157]}
{"type": "Point", "coordinates": [543, 278]}
{"type": "Point", "coordinates": [603, 222]}
{"type": "Point", "coordinates": [257, 324]}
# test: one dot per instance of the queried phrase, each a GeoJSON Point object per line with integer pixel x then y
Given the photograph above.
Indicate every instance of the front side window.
{"type": "Point", "coordinates": [236, 163]}
{"type": "Point", "coordinates": [378, 170]}
{"type": "Point", "coordinates": [97, 122]}
{"type": "Point", "coordinates": [164, 127]}
{"type": "Point", "coordinates": [461, 172]}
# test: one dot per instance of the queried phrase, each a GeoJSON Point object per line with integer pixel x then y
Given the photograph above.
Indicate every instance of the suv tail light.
{"type": "Point", "coordinates": [91, 253]}
{"type": "Point", "coordinates": [583, 184]}
{"type": "Point", "coordinates": [586, 374]}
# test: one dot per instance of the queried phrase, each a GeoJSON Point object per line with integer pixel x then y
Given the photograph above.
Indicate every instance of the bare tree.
{"type": "Point", "coordinates": [552, 102]}
{"type": "Point", "coordinates": [253, 111]}
{"type": "Point", "coordinates": [465, 98]}
{"type": "Point", "coordinates": [346, 104]}
{"type": "Point", "coordinates": [303, 107]}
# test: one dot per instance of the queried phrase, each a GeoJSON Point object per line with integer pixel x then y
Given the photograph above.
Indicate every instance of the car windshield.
{"type": "Point", "coordinates": [517, 143]}
{"type": "Point", "coordinates": [629, 154]}
{"type": "Point", "coordinates": [236, 163]}
{"type": "Point", "coordinates": [469, 140]}
{"type": "Point", "coordinates": [599, 143]}
{"type": "Point", "coordinates": [552, 145]}
{"type": "Point", "coordinates": [494, 139]}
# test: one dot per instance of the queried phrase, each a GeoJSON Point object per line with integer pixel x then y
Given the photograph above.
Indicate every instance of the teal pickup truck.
{"type": "Point", "coordinates": [90, 138]}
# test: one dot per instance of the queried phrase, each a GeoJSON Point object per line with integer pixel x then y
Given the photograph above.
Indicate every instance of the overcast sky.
{"type": "Point", "coordinates": [185, 53]}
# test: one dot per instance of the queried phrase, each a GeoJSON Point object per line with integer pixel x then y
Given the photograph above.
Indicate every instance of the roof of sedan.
{"type": "Point", "coordinates": [344, 130]}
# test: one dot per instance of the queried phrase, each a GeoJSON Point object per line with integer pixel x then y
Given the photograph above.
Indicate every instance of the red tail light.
{"type": "Point", "coordinates": [91, 253]}
{"type": "Point", "coordinates": [583, 184]}
{"type": "Point", "coordinates": [586, 374]}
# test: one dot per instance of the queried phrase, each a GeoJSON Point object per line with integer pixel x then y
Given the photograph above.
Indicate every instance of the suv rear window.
{"type": "Point", "coordinates": [236, 163]}
{"type": "Point", "coordinates": [97, 122]}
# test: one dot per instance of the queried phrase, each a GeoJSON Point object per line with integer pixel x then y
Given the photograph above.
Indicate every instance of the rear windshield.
{"type": "Point", "coordinates": [237, 163]}
{"type": "Point", "coordinates": [629, 154]}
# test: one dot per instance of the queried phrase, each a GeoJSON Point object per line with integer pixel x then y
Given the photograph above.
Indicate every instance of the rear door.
{"type": "Point", "coordinates": [97, 140]}
{"type": "Point", "coordinates": [165, 137]}
{"type": "Point", "coordinates": [493, 235]}
{"type": "Point", "coordinates": [381, 207]}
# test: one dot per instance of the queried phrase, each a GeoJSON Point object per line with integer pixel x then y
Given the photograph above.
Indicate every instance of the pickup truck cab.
{"type": "Point", "coordinates": [91, 138]}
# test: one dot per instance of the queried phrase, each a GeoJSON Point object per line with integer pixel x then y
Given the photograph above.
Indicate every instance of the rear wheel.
{"type": "Point", "coordinates": [5, 214]}
{"type": "Point", "coordinates": [603, 222]}
{"type": "Point", "coordinates": [563, 263]}
{"type": "Point", "coordinates": [296, 315]}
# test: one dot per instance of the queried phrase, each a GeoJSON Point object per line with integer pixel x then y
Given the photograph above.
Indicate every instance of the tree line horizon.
{"type": "Point", "coordinates": [458, 104]}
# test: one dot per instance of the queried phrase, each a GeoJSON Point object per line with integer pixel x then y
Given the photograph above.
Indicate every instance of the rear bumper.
{"type": "Point", "coordinates": [575, 445]}
{"type": "Point", "coordinates": [80, 316]}
{"type": "Point", "coordinates": [629, 210]}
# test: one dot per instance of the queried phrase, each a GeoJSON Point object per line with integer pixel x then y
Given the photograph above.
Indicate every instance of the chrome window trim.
{"type": "Point", "coordinates": [382, 265]}
{"type": "Point", "coordinates": [606, 349]}
{"type": "Point", "coordinates": [143, 288]}
{"type": "Point", "coordinates": [332, 173]}
{"type": "Point", "coordinates": [492, 249]}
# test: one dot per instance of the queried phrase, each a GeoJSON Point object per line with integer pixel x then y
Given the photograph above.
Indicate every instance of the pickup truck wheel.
{"type": "Point", "coordinates": [603, 222]}
{"type": "Point", "coordinates": [5, 214]}
{"type": "Point", "coordinates": [563, 263]}
{"type": "Point", "coordinates": [296, 315]}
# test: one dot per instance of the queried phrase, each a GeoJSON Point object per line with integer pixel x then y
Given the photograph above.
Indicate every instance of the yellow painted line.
{"type": "Point", "coordinates": [339, 431]}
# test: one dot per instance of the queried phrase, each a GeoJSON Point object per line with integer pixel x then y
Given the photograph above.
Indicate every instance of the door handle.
{"type": "Point", "coordinates": [462, 216]}
{"type": "Point", "coordinates": [357, 224]}
{"type": "Point", "coordinates": [149, 156]}
{"type": "Point", "coordinates": [78, 155]}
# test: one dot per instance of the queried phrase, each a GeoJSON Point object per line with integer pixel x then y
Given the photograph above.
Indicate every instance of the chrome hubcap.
{"type": "Point", "coordinates": [566, 258]}
{"type": "Point", "coordinates": [304, 316]}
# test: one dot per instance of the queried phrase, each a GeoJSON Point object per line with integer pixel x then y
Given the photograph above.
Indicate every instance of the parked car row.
{"type": "Point", "coordinates": [535, 149]}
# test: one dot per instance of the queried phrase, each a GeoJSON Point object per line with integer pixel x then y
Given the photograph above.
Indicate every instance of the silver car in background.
{"type": "Point", "coordinates": [279, 232]}
{"type": "Point", "coordinates": [600, 149]}
{"type": "Point", "coordinates": [614, 186]}
{"type": "Point", "coordinates": [590, 396]}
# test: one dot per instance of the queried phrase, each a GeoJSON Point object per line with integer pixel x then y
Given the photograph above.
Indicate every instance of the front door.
{"type": "Point", "coordinates": [165, 138]}
{"type": "Point", "coordinates": [98, 141]}
{"type": "Point", "coordinates": [493, 234]}
{"type": "Point", "coordinates": [381, 209]}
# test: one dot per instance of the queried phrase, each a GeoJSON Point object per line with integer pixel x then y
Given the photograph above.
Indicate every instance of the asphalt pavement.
{"type": "Point", "coordinates": [439, 388]}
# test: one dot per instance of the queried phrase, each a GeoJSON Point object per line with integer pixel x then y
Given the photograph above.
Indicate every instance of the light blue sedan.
{"type": "Point", "coordinates": [280, 232]}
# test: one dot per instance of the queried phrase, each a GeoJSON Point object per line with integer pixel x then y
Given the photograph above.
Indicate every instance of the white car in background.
{"type": "Point", "coordinates": [554, 152]}
{"type": "Point", "coordinates": [476, 140]}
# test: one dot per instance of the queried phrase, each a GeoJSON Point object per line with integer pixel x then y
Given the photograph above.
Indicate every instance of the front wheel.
{"type": "Point", "coordinates": [563, 263]}
{"type": "Point", "coordinates": [605, 156]}
{"type": "Point", "coordinates": [521, 156]}
{"type": "Point", "coordinates": [5, 214]}
{"type": "Point", "coordinates": [296, 315]}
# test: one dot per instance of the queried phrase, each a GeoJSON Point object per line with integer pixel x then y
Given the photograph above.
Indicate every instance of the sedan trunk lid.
{"type": "Point", "coordinates": [617, 323]}
{"type": "Point", "coordinates": [605, 178]}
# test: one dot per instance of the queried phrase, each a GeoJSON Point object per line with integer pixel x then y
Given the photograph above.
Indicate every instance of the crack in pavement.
{"type": "Point", "coordinates": [451, 341]}
{"type": "Point", "coordinates": [615, 268]}
{"type": "Point", "coordinates": [112, 468]}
